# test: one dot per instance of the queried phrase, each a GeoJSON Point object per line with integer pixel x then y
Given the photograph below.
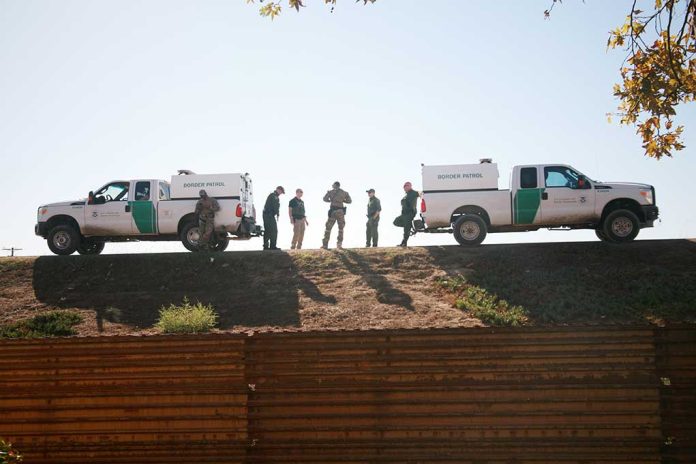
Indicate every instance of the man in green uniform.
{"type": "Point", "coordinates": [298, 219]}
{"type": "Point", "coordinates": [374, 208]}
{"type": "Point", "coordinates": [271, 211]}
{"type": "Point", "coordinates": [337, 213]}
{"type": "Point", "coordinates": [408, 211]}
{"type": "Point", "coordinates": [206, 207]}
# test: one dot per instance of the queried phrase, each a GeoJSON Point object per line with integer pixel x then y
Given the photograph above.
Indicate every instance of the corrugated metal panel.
{"type": "Point", "coordinates": [477, 395]}
{"type": "Point", "coordinates": [461, 395]}
{"type": "Point", "coordinates": [125, 399]}
{"type": "Point", "coordinates": [676, 366]}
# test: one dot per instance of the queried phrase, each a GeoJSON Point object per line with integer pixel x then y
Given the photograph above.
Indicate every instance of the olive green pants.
{"type": "Point", "coordinates": [372, 234]}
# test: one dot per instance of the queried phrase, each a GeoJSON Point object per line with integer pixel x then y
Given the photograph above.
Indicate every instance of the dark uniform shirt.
{"type": "Point", "coordinates": [409, 203]}
{"type": "Point", "coordinates": [297, 205]}
{"type": "Point", "coordinates": [206, 207]}
{"type": "Point", "coordinates": [272, 206]}
{"type": "Point", "coordinates": [373, 205]}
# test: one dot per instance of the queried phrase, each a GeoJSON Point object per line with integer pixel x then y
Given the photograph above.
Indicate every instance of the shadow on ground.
{"type": "Point", "coordinates": [579, 282]}
{"type": "Point", "coordinates": [245, 288]}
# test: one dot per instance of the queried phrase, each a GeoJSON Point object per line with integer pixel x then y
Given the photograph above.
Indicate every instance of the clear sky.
{"type": "Point", "coordinates": [92, 91]}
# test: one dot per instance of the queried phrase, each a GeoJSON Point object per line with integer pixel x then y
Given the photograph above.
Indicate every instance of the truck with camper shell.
{"type": "Point", "coordinates": [149, 210]}
{"type": "Point", "coordinates": [465, 200]}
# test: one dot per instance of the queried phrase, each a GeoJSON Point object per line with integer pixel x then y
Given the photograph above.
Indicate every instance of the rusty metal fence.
{"type": "Point", "coordinates": [588, 394]}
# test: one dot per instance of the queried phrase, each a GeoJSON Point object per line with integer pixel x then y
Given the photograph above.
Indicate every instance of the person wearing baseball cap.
{"type": "Point", "coordinates": [271, 212]}
{"type": "Point", "coordinates": [374, 208]}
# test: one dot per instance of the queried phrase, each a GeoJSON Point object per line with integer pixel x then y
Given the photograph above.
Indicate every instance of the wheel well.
{"type": "Point", "coordinates": [62, 219]}
{"type": "Point", "coordinates": [190, 217]}
{"type": "Point", "coordinates": [623, 203]}
{"type": "Point", "coordinates": [471, 209]}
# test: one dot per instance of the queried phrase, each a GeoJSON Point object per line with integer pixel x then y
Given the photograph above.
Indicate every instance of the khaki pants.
{"type": "Point", "coordinates": [298, 228]}
{"type": "Point", "coordinates": [336, 216]}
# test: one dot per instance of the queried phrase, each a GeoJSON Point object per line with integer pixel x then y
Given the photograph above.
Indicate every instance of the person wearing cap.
{"type": "Point", "coordinates": [409, 205]}
{"type": "Point", "coordinates": [374, 208]}
{"type": "Point", "coordinates": [298, 219]}
{"type": "Point", "coordinates": [337, 213]}
{"type": "Point", "coordinates": [206, 207]}
{"type": "Point", "coordinates": [271, 212]}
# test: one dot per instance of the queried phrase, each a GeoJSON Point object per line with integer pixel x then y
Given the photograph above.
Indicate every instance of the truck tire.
{"type": "Point", "coordinates": [63, 240]}
{"type": "Point", "coordinates": [90, 247]}
{"type": "Point", "coordinates": [221, 243]}
{"type": "Point", "coordinates": [189, 236]}
{"type": "Point", "coordinates": [621, 226]}
{"type": "Point", "coordinates": [600, 235]}
{"type": "Point", "coordinates": [470, 229]}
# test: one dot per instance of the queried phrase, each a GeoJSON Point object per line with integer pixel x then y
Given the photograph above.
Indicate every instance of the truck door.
{"type": "Point", "coordinates": [145, 194]}
{"type": "Point", "coordinates": [109, 212]}
{"type": "Point", "coordinates": [566, 198]}
{"type": "Point", "coordinates": [526, 196]}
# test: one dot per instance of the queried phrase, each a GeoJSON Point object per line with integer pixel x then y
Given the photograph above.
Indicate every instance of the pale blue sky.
{"type": "Point", "coordinates": [92, 91]}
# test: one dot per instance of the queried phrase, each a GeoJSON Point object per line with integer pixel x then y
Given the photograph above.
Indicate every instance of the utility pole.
{"type": "Point", "coordinates": [12, 250]}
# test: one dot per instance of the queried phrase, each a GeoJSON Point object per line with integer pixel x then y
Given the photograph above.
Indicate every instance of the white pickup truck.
{"type": "Point", "coordinates": [465, 199]}
{"type": "Point", "coordinates": [149, 209]}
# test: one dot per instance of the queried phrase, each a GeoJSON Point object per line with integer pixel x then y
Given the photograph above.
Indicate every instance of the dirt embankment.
{"type": "Point", "coordinates": [646, 281]}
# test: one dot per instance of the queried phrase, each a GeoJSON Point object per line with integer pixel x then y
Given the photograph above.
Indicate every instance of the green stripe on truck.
{"type": "Point", "coordinates": [526, 205]}
{"type": "Point", "coordinates": [145, 216]}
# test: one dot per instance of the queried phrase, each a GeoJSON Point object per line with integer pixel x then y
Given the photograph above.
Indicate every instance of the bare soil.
{"type": "Point", "coordinates": [650, 282]}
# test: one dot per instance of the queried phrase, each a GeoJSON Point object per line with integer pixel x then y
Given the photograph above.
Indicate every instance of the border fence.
{"type": "Point", "coordinates": [482, 395]}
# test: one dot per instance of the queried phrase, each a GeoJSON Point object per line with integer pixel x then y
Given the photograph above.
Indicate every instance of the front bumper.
{"type": "Point", "coordinates": [650, 213]}
{"type": "Point", "coordinates": [41, 229]}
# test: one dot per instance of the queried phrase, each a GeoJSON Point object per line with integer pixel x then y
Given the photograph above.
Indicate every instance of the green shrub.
{"type": "Point", "coordinates": [8, 455]}
{"type": "Point", "coordinates": [51, 324]}
{"type": "Point", "coordinates": [483, 305]}
{"type": "Point", "coordinates": [187, 318]}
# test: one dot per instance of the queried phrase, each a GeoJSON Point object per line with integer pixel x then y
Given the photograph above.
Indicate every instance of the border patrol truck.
{"type": "Point", "coordinates": [149, 209]}
{"type": "Point", "coordinates": [465, 199]}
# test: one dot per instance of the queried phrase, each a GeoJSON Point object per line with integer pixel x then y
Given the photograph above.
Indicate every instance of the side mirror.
{"type": "Point", "coordinates": [582, 182]}
{"type": "Point", "coordinates": [90, 198]}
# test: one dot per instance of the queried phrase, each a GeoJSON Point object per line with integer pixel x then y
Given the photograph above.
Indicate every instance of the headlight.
{"type": "Point", "coordinates": [648, 195]}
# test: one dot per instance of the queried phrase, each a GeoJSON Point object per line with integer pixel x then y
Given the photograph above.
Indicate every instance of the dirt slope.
{"type": "Point", "coordinates": [644, 282]}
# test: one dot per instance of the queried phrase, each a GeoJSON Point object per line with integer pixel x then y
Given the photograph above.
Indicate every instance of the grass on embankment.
{"type": "Point", "coordinates": [51, 324]}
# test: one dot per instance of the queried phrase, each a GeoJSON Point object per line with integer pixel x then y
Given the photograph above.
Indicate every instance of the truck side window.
{"type": "Point", "coordinates": [142, 191]}
{"type": "Point", "coordinates": [163, 191]}
{"type": "Point", "coordinates": [528, 178]}
{"type": "Point", "coordinates": [560, 176]}
{"type": "Point", "coordinates": [117, 191]}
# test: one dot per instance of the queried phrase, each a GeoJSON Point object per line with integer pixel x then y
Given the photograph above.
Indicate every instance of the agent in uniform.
{"type": "Point", "coordinates": [337, 213]}
{"type": "Point", "coordinates": [206, 207]}
{"type": "Point", "coordinates": [298, 219]}
{"type": "Point", "coordinates": [409, 205]}
{"type": "Point", "coordinates": [271, 211]}
{"type": "Point", "coordinates": [374, 208]}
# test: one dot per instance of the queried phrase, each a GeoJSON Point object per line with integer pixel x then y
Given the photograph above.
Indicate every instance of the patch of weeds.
{"type": "Point", "coordinates": [11, 264]}
{"type": "Point", "coordinates": [51, 324]}
{"type": "Point", "coordinates": [481, 304]}
{"type": "Point", "coordinates": [8, 455]}
{"type": "Point", "coordinates": [187, 318]}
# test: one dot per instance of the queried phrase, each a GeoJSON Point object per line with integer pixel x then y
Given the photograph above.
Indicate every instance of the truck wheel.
{"type": "Point", "coordinates": [63, 240]}
{"type": "Point", "coordinates": [190, 235]}
{"type": "Point", "coordinates": [221, 243]}
{"type": "Point", "coordinates": [470, 229]}
{"type": "Point", "coordinates": [621, 226]}
{"type": "Point", "coordinates": [90, 247]}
